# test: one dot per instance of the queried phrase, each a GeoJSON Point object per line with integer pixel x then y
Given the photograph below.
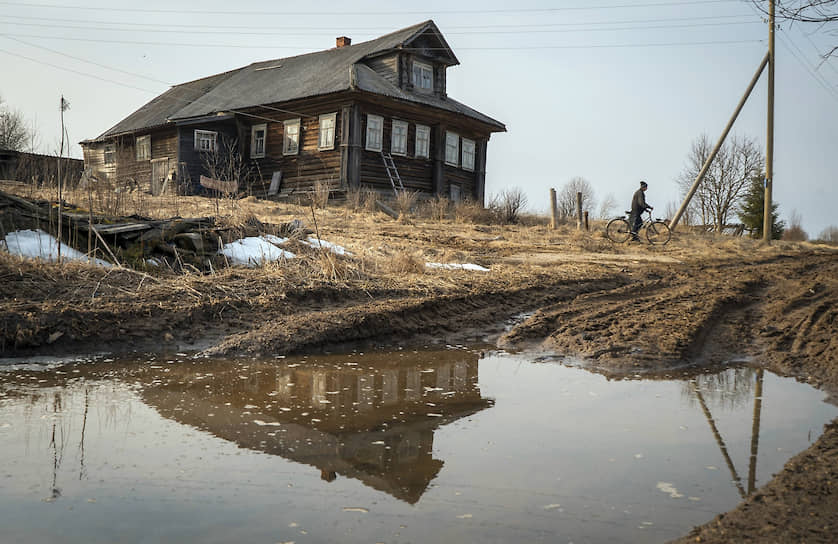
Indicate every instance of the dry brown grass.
{"type": "Point", "coordinates": [361, 199]}
{"type": "Point", "coordinates": [320, 197]}
{"type": "Point", "coordinates": [403, 262]}
{"type": "Point", "coordinates": [405, 202]}
{"type": "Point", "coordinates": [437, 208]}
{"type": "Point", "coordinates": [468, 211]}
{"type": "Point", "coordinates": [388, 251]}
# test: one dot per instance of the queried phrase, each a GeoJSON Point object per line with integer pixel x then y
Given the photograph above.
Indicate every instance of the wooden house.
{"type": "Point", "coordinates": [368, 114]}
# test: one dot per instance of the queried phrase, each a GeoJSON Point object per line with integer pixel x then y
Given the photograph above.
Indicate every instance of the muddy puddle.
{"type": "Point", "coordinates": [446, 445]}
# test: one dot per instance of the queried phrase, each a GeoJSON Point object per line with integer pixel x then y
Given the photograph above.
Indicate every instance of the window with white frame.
{"type": "Point", "coordinates": [452, 149]}
{"type": "Point", "coordinates": [258, 137]}
{"type": "Point", "coordinates": [423, 141]}
{"type": "Point", "coordinates": [375, 131]}
{"type": "Point", "coordinates": [205, 140]}
{"type": "Point", "coordinates": [291, 140]}
{"type": "Point", "coordinates": [423, 76]}
{"type": "Point", "coordinates": [110, 153]}
{"type": "Point", "coordinates": [468, 154]}
{"type": "Point", "coordinates": [327, 131]}
{"type": "Point", "coordinates": [398, 138]}
{"type": "Point", "coordinates": [143, 146]}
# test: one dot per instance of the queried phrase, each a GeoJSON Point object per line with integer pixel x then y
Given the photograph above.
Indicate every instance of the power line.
{"type": "Point", "coordinates": [824, 59]}
{"type": "Point", "coordinates": [202, 11]}
{"type": "Point", "coordinates": [481, 48]}
{"type": "Point", "coordinates": [141, 76]}
{"type": "Point", "coordinates": [322, 29]}
{"type": "Point", "coordinates": [273, 32]}
{"type": "Point", "coordinates": [801, 59]}
{"type": "Point", "coordinates": [126, 85]}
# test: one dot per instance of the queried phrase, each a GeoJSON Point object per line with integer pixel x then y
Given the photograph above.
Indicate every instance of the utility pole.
{"type": "Point", "coordinates": [62, 109]}
{"type": "Point", "coordinates": [767, 222]}
{"type": "Point", "coordinates": [674, 221]}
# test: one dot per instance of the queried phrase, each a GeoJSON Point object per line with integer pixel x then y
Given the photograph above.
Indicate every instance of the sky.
{"type": "Point", "coordinates": [614, 91]}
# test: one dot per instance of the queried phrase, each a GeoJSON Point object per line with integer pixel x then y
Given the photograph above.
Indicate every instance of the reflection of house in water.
{"type": "Point", "coordinates": [371, 418]}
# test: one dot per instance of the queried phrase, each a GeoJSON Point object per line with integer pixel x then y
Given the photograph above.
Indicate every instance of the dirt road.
{"type": "Point", "coordinates": [622, 310]}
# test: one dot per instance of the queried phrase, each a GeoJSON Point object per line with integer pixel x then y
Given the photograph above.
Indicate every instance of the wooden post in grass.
{"type": "Point", "coordinates": [578, 211]}
{"type": "Point", "coordinates": [587, 226]}
{"type": "Point", "coordinates": [554, 210]}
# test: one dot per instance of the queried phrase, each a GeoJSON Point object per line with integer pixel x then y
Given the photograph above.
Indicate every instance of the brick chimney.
{"type": "Point", "coordinates": [343, 41]}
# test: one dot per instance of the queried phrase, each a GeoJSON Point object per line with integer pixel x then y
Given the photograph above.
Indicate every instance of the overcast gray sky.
{"type": "Point", "coordinates": [614, 91]}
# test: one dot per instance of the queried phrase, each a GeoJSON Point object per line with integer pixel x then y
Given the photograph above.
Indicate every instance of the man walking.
{"type": "Point", "coordinates": [638, 206]}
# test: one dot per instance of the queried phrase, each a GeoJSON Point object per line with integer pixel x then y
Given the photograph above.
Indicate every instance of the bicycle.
{"type": "Point", "coordinates": [618, 230]}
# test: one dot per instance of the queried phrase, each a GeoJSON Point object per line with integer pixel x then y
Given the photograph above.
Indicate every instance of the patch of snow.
{"type": "Point", "coordinates": [254, 251]}
{"type": "Point", "coordinates": [37, 244]}
{"type": "Point", "coordinates": [334, 248]}
{"type": "Point", "coordinates": [458, 266]}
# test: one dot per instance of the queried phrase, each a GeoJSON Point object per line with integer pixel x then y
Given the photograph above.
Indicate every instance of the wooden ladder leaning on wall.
{"type": "Point", "coordinates": [392, 172]}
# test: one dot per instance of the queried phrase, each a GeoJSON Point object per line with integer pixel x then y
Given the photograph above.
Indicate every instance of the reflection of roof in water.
{"type": "Point", "coordinates": [372, 423]}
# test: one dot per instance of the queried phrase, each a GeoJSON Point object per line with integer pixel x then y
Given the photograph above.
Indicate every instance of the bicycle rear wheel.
{"type": "Point", "coordinates": [658, 233]}
{"type": "Point", "coordinates": [617, 230]}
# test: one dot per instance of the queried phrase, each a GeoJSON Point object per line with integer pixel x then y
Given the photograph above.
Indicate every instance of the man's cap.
{"type": "Point", "coordinates": [643, 184]}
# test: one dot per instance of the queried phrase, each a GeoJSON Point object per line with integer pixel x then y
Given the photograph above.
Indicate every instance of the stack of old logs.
{"type": "Point", "coordinates": [177, 243]}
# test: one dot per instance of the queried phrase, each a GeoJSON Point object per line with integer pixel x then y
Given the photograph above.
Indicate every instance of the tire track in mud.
{"type": "Point", "coordinates": [793, 325]}
{"type": "Point", "coordinates": [653, 323]}
{"type": "Point", "coordinates": [399, 319]}
{"type": "Point", "coordinates": [798, 325]}
{"type": "Point", "coordinates": [694, 314]}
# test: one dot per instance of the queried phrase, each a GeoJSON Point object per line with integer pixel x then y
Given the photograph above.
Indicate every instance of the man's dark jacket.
{"type": "Point", "coordinates": [638, 203]}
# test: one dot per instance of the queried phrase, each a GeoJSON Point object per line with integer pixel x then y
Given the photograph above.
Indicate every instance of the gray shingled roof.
{"type": "Point", "coordinates": [368, 80]}
{"type": "Point", "coordinates": [291, 78]}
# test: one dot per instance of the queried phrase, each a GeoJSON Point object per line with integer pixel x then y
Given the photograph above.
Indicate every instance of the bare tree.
{"type": "Point", "coordinates": [794, 232]}
{"type": "Point", "coordinates": [686, 218]}
{"type": "Point", "coordinates": [804, 11]}
{"type": "Point", "coordinates": [566, 200]}
{"type": "Point", "coordinates": [508, 205]}
{"type": "Point", "coordinates": [726, 181]}
{"type": "Point", "coordinates": [607, 206]}
{"type": "Point", "coordinates": [14, 133]}
{"type": "Point", "coordinates": [819, 12]}
{"type": "Point", "coordinates": [227, 163]}
{"type": "Point", "coordinates": [829, 234]}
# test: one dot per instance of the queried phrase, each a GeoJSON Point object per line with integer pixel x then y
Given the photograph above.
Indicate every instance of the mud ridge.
{"type": "Point", "coordinates": [439, 316]}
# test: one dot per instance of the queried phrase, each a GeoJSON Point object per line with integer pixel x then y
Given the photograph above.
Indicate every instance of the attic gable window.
{"type": "Point", "coordinates": [423, 76]}
{"type": "Point", "coordinates": [205, 140]}
{"type": "Point", "coordinates": [327, 131]}
{"type": "Point", "coordinates": [375, 131]}
{"type": "Point", "coordinates": [258, 135]}
{"type": "Point", "coordinates": [291, 140]}
{"type": "Point", "coordinates": [398, 139]}
{"type": "Point", "coordinates": [143, 146]}
{"type": "Point", "coordinates": [423, 141]}
{"type": "Point", "coordinates": [452, 149]}
{"type": "Point", "coordinates": [468, 154]}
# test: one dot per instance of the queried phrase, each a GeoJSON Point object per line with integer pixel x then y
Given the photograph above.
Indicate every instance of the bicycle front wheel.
{"type": "Point", "coordinates": [658, 233]}
{"type": "Point", "coordinates": [617, 230]}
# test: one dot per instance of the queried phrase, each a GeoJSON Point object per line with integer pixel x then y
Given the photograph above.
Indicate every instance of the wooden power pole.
{"type": "Point", "coordinates": [767, 217]}
{"type": "Point", "coordinates": [674, 221]}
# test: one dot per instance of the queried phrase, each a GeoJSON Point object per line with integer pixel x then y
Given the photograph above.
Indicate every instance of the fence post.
{"type": "Point", "coordinates": [554, 210]}
{"type": "Point", "coordinates": [578, 211]}
{"type": "Point", "coordinates": [587, 226]}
